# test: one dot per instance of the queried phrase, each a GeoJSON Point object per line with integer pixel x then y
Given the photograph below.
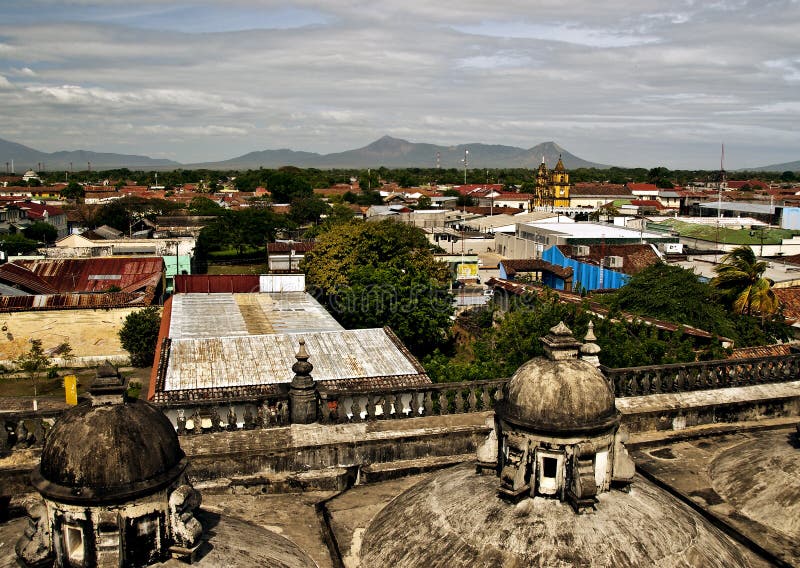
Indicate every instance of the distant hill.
{"type": "Point", "coordinates": [26, 158]}
{"type": "Point", "coordinates": [785, 167]}
{"type": "Point", "coordinates": [396, 153]}
{"type": "Point", "coordinates": [387, 151]}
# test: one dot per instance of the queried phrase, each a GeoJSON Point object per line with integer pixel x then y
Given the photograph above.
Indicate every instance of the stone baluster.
{"type": "Point", "coordinates": [443, 409]}
{"type": "Point", "coordinates": [37, 432]}
{"type": "Point", "coordinates": [413, 405]}
{"type": "Point", "coordinates": [197, 422]}
{"type": "Point", "coordinates": [370, 407]}
{"type": "Point", "coordinates": [215, 420]}
{"type": "Point", "coordinates": [249, 421]}
{"type": "Point", "coordinates": [680, 380]}
{"type": "Point", "coordinates": [22, 435]}
{"type": "Point", "coordinates": [181, 422]}
{"type": "Point", "coordinates": [355, 410]}
{"type": "Point", "coordinates": [486, 399]}
{"type": "Point", "coordinates": [428, 404]}
{"type": "Point", "coordinates": [459, 402]}
{"type": "Point", "coordinates": [4, 438]}
{"type": "Point", "coordinates": [282, 408]}
{"type": "Point", "coordinates": [398, 405]}
{"type": "Point", "coordinates": [232, 419]}
{"type": "Point", "coordinates": [472, 400]}
{"type": "Point", "coordinates": [261, 415]}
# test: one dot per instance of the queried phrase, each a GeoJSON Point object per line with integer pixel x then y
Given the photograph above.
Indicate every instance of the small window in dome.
{"type": "Point", "coordinates": [549, 467]}
{"type": "Point", "coordinates": [73, 542]}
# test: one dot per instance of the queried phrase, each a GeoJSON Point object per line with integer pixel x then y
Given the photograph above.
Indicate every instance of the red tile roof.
{"type": "Point", "coordinates": [780, 350]}
{"type": "Point", "coordinates": [642, 187]}
{"type": "Point", "coordinates": [286, 247]}
{"type": "Point", "coordinates": [790, 300]}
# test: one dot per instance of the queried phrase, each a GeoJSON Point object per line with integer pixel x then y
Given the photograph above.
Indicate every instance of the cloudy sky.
{"type": "Point", "coordinates": [642, 83]}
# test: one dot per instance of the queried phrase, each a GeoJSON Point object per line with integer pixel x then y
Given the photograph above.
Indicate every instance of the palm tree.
{"type": "Point", "coordinates": [740, 278]}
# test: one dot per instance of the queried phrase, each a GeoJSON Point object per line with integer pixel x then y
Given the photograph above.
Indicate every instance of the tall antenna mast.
{"type": "Point", "coordinates": [438, 160]}
{"type": "Point", "coordinates": [721, 181]}
{"type": "Point", "coordinates": [466, 163]}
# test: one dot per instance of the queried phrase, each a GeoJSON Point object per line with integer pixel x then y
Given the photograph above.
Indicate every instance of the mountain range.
{"type": "Point", "coordinates": [396, 153]}
{"type": "Point", "coordinates": [386, 151]}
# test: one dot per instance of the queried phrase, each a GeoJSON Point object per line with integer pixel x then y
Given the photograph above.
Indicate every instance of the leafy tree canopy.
{"type": "Point", "coordinates": [41, 232]}
{"type": "Point", "coordinates": [139, 335]}
{"type": "Point", "coordinates": [249, 227]}
{"type": "Point", "coordinates": [74, 190]}
{"type": "Point", "coordinates": [204, 206]}
{"type": "Point", "coordinates": [383, 273]}
{"type": "Point", "coordinates": [307, 209]}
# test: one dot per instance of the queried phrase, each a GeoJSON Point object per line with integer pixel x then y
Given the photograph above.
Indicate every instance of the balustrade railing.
{"type": "Point", "coordinates": [706, 375]}
{"type": "Point", "coordinates": [228, 417]}
{"type": "Point", "coordinates": [338, 406]}
{"type": "Point", "coordinates": [22, 430]}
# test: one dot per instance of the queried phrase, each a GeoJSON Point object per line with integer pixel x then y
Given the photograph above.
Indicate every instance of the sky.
{"type": "Point", "coordinates": [634, 84]}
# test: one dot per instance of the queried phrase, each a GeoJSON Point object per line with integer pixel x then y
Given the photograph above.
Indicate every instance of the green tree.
{"type": "Point", "coordinates": [307, 209]}
{"type": "Point", "coordinates": [33, 363]}
{"type": "Point", "coordinates": [286, 185]}
{"type": "Point", "coordinates": [139, 335]}
{"type": "Point", "coordinates": [740, 280]}
{"type": "Point", "coordinates": [424, 202]}
{"type": "Point", "coordinates": [74, 190]}
{"type": "Point", "coordinates": [673, 294]}
{"type": "Point", "coordinates": [236, 230]}
{"type": "Point", "coordinates": [41, 232]}
{"type": "Point", "coordinates": [204, 206]}
{"type": "Point", "coordinates": [382, 273]}
{"type": "Point", "coordinates": [16, 244]}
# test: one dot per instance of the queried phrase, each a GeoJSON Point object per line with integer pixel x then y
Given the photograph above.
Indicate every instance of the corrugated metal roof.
{"type": "Point", "coordinates": [230, 362]}
{"type": "Point", "coordinates": [75, 301]}
{"type": "Point", "coordinates": [227, 315]}
{"type": "Point", "coordinates": [95, 274]}
{"type": "Point", "coordinates": [18, 274]}
{"type": "Point", "coordinates": [216, 283]}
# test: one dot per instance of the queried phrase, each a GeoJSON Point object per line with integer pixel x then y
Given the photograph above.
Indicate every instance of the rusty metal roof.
{"type": "Point", "coordinates": [216, 283]}
{"type": "Point", "coordinates": [211, 367]}
{"type": "Point", "coordinates": [129, 274]}
{"type": "Point", "coordinates": [75, 301]}
{"type": "Point", "coordinates": [24, 278]}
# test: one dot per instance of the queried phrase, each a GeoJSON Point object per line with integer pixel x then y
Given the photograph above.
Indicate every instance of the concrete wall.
{"type": "Point", "coordinates": [299, 448]}
{"type": "Point", "coordinates": [90, 333]}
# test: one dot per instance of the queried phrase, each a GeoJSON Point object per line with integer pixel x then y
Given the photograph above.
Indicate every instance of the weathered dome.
{"type": "Point", "coordinates": [567, 396]}
{"type": "Point", "coordinates": [109, 452]}
{"type": "Point", "coordinates": [455, 519]}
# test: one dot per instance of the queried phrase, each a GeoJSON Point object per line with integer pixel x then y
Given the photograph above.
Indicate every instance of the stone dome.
{"type": "Point", "coordinates": [559, 397]}
{"type": "Point", "coordinates": [455, 519]}
{"type": "Point", "coordinates": [109, 453]}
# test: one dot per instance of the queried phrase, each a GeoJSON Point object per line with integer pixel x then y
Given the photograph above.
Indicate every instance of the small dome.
{"type": "Point", "coordinates": [110, 452]}
{"type": "Point", "coordinates": [559, 397]}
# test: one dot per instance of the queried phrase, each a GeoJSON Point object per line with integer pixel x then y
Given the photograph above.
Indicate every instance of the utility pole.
{"type": "Point", "coordinates": [466, 163]}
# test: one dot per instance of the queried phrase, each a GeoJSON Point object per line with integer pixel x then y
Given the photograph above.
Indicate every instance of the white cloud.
{"type": "Point", "coordinates": [586, 75]}
{"type": "Point", "coordinates": [5, 83]}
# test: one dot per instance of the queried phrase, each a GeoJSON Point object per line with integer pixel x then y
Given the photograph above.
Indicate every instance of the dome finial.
{"type": "Point", "coordinates": [590, 351]}
{"type": "Point", "coordinates": [559, 344]}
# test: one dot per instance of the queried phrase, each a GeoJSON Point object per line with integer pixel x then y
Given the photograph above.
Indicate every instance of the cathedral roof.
{"type": "Point", "coordinates": [455, 519]}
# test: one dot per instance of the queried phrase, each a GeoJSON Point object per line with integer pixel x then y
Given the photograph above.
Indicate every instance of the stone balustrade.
{"type": "Point", "coordinates": [27, 429]}
{"type": "Point", "coordinates": [705, 375]}
{"type": "Point", "coordinates": [228, 417]}
{"type": "Point", "coordinates": [337, 406]}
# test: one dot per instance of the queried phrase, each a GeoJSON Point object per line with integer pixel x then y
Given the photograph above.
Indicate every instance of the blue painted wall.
{"type": "Point", "coordinates": [587, 276]}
